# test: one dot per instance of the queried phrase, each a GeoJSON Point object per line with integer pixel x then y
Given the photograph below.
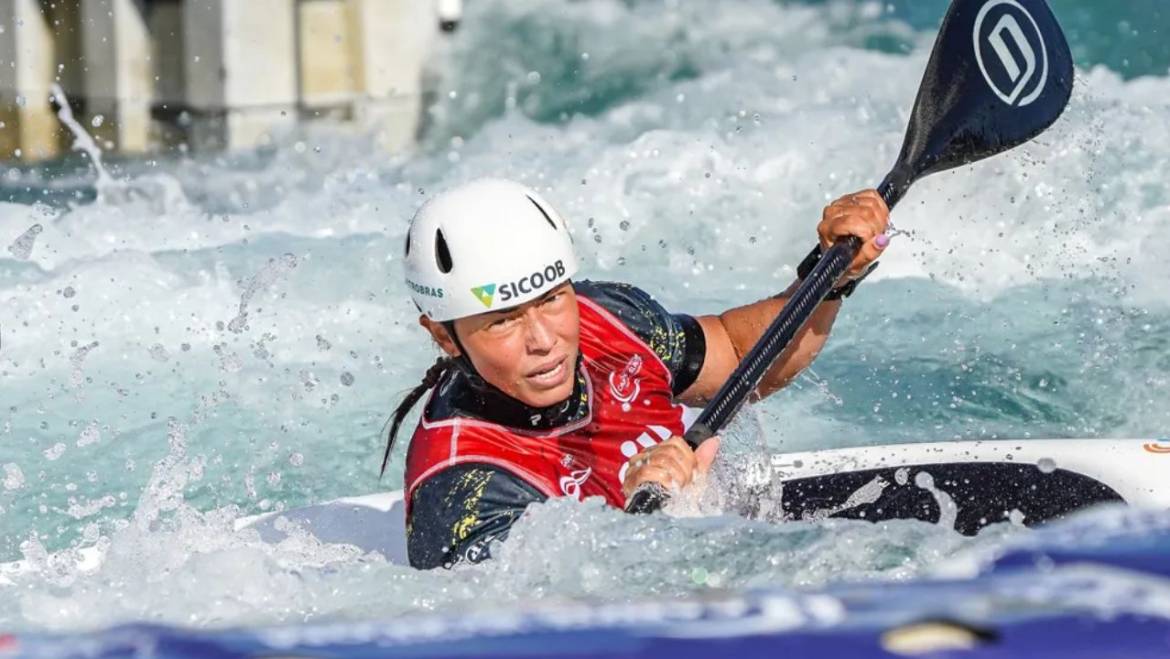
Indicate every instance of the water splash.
{"type": "Point", "coordinates": [276, 270]}
{"type": "Point", "coordinates": [82, 140]}
{"type": "Point", "coordinates": [22, 247]}
{"type": "Point", "coordinates": [703, 185]}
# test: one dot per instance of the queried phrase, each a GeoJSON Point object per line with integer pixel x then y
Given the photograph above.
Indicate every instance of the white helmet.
{"type": "Point", "coordinates": [486, 245]}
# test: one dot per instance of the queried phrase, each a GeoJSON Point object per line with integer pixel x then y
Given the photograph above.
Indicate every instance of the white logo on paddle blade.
{"type": "Point", "coordinates": [1008, 43]}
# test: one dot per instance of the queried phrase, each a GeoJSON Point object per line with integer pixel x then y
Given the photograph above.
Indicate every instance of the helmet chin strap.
{"type": "Point", "coordinates": [463, 361]}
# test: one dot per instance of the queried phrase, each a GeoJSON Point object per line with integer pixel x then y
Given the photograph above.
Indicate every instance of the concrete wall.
{"type": "Point", "coordinates": [389, 53]}
{"type": "Point", "coordinates": [145, 74]}
{"type": "Point", "coordinates": [240, 62]}
{"type": "Point", "coordinates": [326, 56]}
{"type": "Point", "coordinates": [28, 126]}
{"type": "Point", "coordinates": [118, 86]}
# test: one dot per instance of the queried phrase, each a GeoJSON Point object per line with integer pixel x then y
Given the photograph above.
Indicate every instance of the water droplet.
{"type": "Point", "coordinates": [1046, 465]}
{"type": "Point", "coordinates": [68, 291]}
{"type": "Point", "coordinates": [624, 225]}
{"type": "Point", "coordinates": [13, 477]}
{"type": "Point", "coordinates": [159, 353]}
{"type": "Point", "coordinates": [699, 575]}
{"type": "Point", "coordinates": [90, 435]}
{"type": "Point", "coordinates": [97, 121]}
{"type": "Point", "coordinates": [296, 459]}
{"type": "Point", "coordinates": [347, 378]}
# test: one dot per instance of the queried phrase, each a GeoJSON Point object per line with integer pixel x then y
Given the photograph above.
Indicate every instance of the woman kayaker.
{"type": "Point", "coordinates": [555, 387]}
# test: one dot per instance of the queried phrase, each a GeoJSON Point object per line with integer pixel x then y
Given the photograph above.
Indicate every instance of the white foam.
{"type": "Point", "coordinates": [703, 186]}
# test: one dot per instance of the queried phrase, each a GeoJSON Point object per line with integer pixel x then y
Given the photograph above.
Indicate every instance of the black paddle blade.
{"type": "Point", "coordinates": [1000, 73]}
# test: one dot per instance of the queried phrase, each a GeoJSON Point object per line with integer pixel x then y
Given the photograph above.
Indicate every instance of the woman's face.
{"type": "Point", "coordinates": [529, 352]}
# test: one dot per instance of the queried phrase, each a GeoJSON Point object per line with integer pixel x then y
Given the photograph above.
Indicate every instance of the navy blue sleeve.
{"type": "Point", "coordinates": [459, 512]}
{"type": "Point", "coordinates": [677, 339]}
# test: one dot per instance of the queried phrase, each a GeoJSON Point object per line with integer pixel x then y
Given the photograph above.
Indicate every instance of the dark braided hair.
{"type": "Point", "coordinates": [434, 374]}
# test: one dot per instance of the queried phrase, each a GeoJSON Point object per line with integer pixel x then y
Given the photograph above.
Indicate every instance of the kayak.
{"type": "Point", "coordinates": [1049, 596]}
{"type": "Point", "coordinates": [965, 485]}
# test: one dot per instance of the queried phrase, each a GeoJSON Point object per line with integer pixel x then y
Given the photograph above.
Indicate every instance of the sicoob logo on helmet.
{"type": "Point", "coordinates": [1010, 51]}
{"type": "Point", "coordinates": [522, 286]}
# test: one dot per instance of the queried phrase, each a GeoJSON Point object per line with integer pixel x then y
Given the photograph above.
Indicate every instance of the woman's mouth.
{"type": "Point", "coordinates": [549, 375]}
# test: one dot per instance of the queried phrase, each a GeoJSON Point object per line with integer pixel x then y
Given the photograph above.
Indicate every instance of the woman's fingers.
{"type": "Point", "coordinates": [670, 464]}
{"type": "Point", "coordinates": [869, 252]}
{"type": "Point", "coordinates": [862, 214]}
{"type": "Point", "coordinates": [705, 454]}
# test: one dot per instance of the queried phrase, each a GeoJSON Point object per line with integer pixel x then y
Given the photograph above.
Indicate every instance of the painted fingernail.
{"type": "Point", "coordinates": [882, 240]}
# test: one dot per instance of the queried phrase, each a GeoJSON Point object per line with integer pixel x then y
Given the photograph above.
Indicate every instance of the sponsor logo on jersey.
{"type": "Point", "coordinates": [625, 385]}
{"type": "Point", "coordinates": [489, 294]}
{"type": "Point", "coordinates": [1010, 51]}
{"type": "Point", "coordinates": [1158, 446]}
{"type": "Point", "coordinates": [429, 291]}
{"type": "Point", "coordinates": [571, 484]}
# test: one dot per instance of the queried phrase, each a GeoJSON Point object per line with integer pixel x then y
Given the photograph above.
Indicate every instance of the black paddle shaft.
{"type": "Point", "coordinates": [779, 334]}
{"type": "Point", "coordinates": [742, 382]}
{"type": "Point", "coordinates": [1000, 73]}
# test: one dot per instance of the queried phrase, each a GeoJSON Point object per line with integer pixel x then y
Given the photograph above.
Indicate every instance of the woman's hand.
{"type": "Point", "coordinates": [863, 214]}
{"type": "Point", "coordinates": [671, 464]}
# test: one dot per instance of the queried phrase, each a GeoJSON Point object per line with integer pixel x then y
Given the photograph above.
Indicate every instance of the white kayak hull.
{"type": "Point", "coordinates": [869, 482]}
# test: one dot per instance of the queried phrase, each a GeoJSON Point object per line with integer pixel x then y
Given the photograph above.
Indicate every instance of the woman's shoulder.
{"type": "Point", "coordinates": [626, 301]}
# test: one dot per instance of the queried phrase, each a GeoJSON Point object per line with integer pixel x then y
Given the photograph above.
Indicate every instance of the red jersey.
{"type": "Point", "coordinates": [630, 408]}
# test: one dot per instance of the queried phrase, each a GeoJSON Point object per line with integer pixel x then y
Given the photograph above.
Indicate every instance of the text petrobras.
{"type": "Point", "coordinates": [429, 291]}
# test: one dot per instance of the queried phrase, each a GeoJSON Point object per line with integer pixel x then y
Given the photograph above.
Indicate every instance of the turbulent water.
{"type": "Point", "coordinates": [204, 337]}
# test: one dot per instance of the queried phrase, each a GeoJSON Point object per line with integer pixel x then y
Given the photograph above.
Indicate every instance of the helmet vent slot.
{"type": "Point", "coordinates": [442, 253]}
{"type": "Point", "coordinates": [542, 212]}
{"type": "Point", "coordinates": [407, 250]}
